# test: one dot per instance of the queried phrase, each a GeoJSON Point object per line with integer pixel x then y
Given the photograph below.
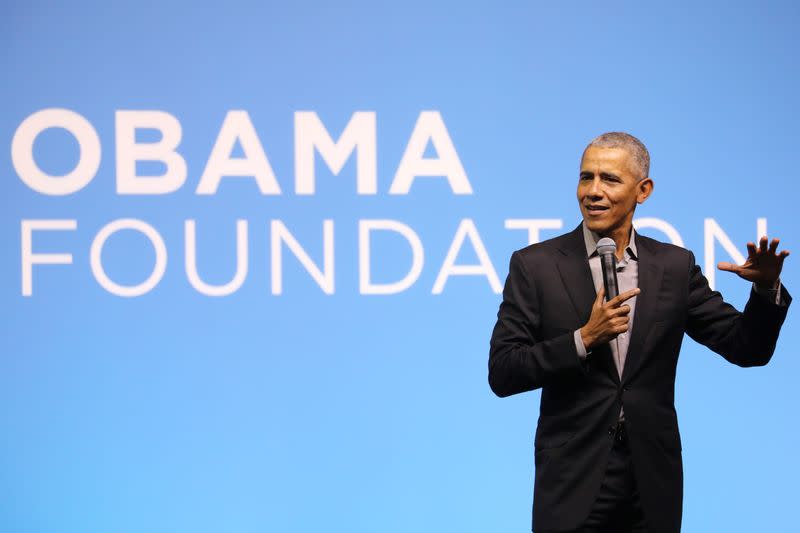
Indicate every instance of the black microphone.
{"type": "Point", "coordinates": [606, 249]}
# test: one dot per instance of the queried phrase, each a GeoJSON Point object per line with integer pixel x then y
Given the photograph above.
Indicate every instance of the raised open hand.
{"type": "Point", "coordinates": [762, 266]}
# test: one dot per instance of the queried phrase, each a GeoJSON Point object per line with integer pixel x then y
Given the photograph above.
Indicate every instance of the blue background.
{"type": "Point", "coordinates": [178, 412]}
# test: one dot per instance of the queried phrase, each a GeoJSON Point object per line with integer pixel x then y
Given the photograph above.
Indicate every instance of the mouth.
{"type": "Point", "coordinates": [595, 209]}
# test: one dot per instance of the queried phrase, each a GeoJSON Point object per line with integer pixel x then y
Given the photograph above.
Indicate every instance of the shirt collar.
{"type": "Point", "coordinates": [590, 239]}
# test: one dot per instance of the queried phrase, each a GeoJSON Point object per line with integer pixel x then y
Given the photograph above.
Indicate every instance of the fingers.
{"type": "Point", "coordinates": [763, 248]}
{"type": "Point", "coordinates": [621, 311]}
{"type": "Point", "coordinates": [773, 245]}
{"type": "Point", "coordinates": [601, 296]}
{"type": "Point", "coordinates": [617, 301]}
{"type": "Point", "coordinates": [729, 267]}
{"type": "Point", "coordinates": [622, 328]}
{"type": "Point", "coordinates": [619, 325]}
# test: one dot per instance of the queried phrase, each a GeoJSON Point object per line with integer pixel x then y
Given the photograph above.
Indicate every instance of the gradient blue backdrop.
{"type": "Point", "coordinates": [177, 412]}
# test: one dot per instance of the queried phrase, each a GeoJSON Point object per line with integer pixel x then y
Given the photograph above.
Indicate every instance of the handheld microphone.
{"type": "Point", "coordinates": [606, 249]}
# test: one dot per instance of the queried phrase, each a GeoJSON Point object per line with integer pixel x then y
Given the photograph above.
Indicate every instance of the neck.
{"type": "Point", "coordinates": [620, 235]}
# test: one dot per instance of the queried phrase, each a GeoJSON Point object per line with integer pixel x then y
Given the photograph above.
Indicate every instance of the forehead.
{"type": "Point", "coordinates": [614, 160]}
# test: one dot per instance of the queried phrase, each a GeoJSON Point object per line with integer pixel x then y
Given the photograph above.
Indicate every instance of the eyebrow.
{"type": "Point", "coordinates": [602, 174]}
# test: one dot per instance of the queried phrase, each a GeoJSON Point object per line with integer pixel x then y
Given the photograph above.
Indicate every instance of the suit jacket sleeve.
{"type": "Point", "coordinates": [519, 359]}
{"type": "Point", "coordinates": [744, 339]}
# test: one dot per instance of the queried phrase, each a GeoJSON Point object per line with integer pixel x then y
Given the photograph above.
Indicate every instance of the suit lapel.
{"type": "Point", "coordinates": [650, 274]}
{"type": "Point", "coordinates": [576, 276]}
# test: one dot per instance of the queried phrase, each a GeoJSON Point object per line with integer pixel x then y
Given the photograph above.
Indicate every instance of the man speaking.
{"type": "Point", "coordinates": [607, 447]}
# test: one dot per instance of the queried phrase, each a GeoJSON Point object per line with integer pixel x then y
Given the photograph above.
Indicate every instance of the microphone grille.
{"type": "Point", "coordinates": [606, 246]}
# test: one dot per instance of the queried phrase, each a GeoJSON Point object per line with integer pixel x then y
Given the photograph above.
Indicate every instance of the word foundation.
{"type": "Point", "coordinates": [281, 238]}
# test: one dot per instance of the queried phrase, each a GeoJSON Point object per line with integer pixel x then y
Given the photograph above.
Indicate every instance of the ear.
{"type": "Point", "coordinates": [645, 189]}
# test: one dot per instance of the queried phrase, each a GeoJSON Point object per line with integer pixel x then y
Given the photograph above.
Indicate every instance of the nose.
{"type": "Point", "coordinates": [595, 187]}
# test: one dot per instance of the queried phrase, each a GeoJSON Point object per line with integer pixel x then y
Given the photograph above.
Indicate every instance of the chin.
{"type": "Point", "coordinates": [596, 225]}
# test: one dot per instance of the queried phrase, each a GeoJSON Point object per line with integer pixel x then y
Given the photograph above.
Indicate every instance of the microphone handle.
{"type": "Point", "coordinates": [609, 264]}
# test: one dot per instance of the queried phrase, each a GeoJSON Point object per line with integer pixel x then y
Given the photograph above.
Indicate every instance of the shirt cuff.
{"type": "Point", "coordinates": [582, 353]}
{"type": "Point", "coordinates": [773, 295]}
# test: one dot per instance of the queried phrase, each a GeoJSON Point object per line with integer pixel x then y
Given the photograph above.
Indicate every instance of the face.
{"type": "Point", "coordinates": [609, 189]}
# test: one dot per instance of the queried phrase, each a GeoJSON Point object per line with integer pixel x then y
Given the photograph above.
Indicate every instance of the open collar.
{"type": "Point", "coordinates": [590, 239]}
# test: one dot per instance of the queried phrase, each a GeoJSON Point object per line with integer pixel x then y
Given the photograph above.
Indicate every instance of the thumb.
{"type": "Point", "coordinates": [728, 267]}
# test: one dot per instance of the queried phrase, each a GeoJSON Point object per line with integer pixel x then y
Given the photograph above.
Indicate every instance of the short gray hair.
{"type": "Point", "coordinates": [626, 141]}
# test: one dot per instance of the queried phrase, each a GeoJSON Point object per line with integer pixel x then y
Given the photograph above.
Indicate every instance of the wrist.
{"type": "Point", "coordinates": [588, 340]}
{"type": "Point", "coordinates": [767, 284]}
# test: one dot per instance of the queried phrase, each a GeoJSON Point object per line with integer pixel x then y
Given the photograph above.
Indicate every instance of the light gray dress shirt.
{"type": "Point", "coordinates": [627, 279]}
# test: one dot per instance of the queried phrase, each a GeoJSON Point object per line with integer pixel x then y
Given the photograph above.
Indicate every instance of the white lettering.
{"type": "Point", "coordinates": [129, 152]}
{"type": "Point", "coordinates": [99, 272]}
{"type": "Point", "coordinates": [310, 133]}
{"type": "Point", "coordinates": [430, 127]}
{"type": "Point", "coordinates": [485, 268]}
{"type": "Point", "coordinates": [241, 261]}
{"type": "Point", "coordinates": [237, 126]}
{"type": "Point", "coordinates": [661, 225]}
{"type": "Point", "coordinates": [533, 225]}
{"type": "Point", "coordinates": [365, 227]}
{"type": "Point", "coordinates": [33, 176]}
{"type": "Point", "coordinates": [324, 277]}
{"type": "Point", "coordinates": [29, 258]}
{"type": "Point", "coordinates": [713, 232]}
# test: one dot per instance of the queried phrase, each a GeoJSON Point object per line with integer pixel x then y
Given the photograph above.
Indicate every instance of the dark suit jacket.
{"type": "Point", "coordinates": [548, 295]}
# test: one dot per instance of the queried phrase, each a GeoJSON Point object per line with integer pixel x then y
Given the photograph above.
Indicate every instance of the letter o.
{"type": "Point", "coordinates": [661, 225]}
{"type": "Point", "coordinates": [33, 176]}
{"type": "Point", "coordinates": [158, 269]}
